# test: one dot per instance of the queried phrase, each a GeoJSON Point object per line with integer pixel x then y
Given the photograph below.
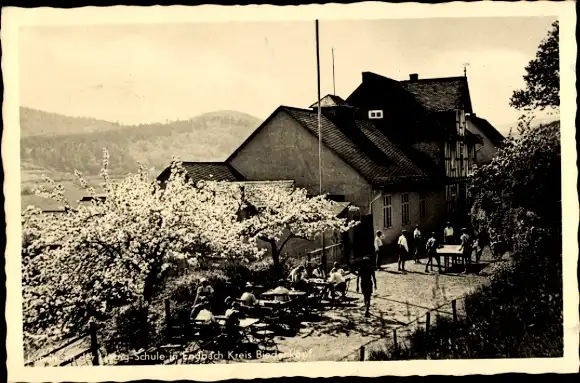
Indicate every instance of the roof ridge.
{"type": "Point", "coordinates": [205, 162]}
{"type": "Point", "coordinates": [296, 108]}
{"type": "Point", "coordinates": [434, 79]}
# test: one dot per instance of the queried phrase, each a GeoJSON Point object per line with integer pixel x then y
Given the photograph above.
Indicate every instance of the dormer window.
{"type": "Point", "coordinates": [375, 114]}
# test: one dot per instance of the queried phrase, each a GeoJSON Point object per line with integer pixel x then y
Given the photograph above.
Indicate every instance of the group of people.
{"type": "Point", "coordinates": [420, 246]}
{"type": "Point", "coordinates": [202, 312]}
{"type": "Point", "coordinates": [300, 279]}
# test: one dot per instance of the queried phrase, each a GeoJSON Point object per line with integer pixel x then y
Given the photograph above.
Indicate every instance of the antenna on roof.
{"type": "Point", "coordinates": [465, 69]}
{"type": "Point", "coordinates": [333, 82]}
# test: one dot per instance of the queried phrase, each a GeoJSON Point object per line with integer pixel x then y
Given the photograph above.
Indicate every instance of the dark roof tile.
{"type": "Point", "coordinates": [394, 164]}
{"type": "Point", "coordinates": [441, 94]}
{"type": "Point", "coordinates": [329, 100]}
{"type": "Point", "coordinates": [214, 171]}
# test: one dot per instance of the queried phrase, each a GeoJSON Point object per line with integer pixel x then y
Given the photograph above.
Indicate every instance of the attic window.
{"type": "Point", "coordinates": [375, 114]}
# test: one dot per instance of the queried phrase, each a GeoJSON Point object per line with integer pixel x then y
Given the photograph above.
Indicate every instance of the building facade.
{"type": "Point", "coordinates": [400, 151]}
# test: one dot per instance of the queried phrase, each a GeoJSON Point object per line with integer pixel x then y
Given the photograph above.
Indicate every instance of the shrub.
{"type": "Point", "coordinates": [125, 332]}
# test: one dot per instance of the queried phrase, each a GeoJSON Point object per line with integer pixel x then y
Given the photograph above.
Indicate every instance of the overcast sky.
{"type": "Point", "coordinates": [146, 73]}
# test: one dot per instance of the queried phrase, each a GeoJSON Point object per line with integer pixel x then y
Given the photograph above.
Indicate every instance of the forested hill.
{"type": "Point", "coordinates": [48, 141]}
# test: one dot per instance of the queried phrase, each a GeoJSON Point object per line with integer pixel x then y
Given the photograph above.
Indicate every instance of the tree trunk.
{"type": "Point", "coordinates": [276, 257]}
{"type": "Point", "coordinates": [148, 293]}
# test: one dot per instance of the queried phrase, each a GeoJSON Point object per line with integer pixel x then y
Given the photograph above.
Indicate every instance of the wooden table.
{"type": "Point", "coordinates": [272, 303]}
{"type": "Point", "coordinates": [290, 294]}
{"type": "Point", "coordinates": [296, 300]}
{"type": "Point", "coordinates": [244, 325]}
{"type": "Point", "coordinates": [318, 281]}
{"type": "Point", "coordinates": [450, 251]}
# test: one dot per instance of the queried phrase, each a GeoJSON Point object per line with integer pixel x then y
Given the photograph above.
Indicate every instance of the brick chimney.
{"type": "Point", "coordinates": [413, 77]}
{"type": "Point", "coordinates": [366, 76]}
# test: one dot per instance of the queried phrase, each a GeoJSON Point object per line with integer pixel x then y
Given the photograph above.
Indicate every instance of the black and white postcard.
{"type": "Point", "coordinates": [247, 192]}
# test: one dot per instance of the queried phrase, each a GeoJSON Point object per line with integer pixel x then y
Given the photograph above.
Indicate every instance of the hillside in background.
{"type": "Point", "coordinates": [60, 144]}
{"type": "Point", "coordinates": [35, 122]}
{"type": "Point", "coordinates": [54, 145]}
{"type": "Point", "coordinates": [513, 127]}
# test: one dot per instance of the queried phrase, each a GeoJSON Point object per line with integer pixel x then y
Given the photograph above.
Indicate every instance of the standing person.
{"type": "Point", "coordinates": [378, 246]}
{"type": "Point", "coordinates": [449, 234]}
{"type": "Point", "coordinates": [364, 281]}
{"type": "Point", "coordinates": [418, 239]}
{"type": "Point", "coordinates": [204, 292]}
{"type": "Point", "coordinates": [431, 248]}
{"type": "Point", "coordinates": [403, 250]}
{"type": "Point", "coordinates": [466, 248]}
{"type": "Point", "coordinates": [483, 241]}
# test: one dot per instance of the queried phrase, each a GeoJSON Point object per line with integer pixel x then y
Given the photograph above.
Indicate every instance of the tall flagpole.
{"type": "Point", "coordinates": [333, 82]}
{"type": "Point", "coordinates": [323, 255]}
{"type": "Point", "coordinates": [319, 111]}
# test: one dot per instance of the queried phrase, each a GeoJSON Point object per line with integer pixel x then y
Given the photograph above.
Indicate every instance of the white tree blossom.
{"type": "Point", "coordinates": [114, 250]}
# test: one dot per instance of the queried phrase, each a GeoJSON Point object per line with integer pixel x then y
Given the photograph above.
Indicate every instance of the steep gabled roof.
{"type": "Point", "coordinates": [394, 163]}
{"type": "Point", "coordinates": [488, 129]}
{"type": "Point", "coordinates": [214, 171]}
{"type": "Point", "coordinates": [329, 100]}
{"type": "Point", "coordinates": [441, 94]}
{"type": "Point", "coordinates": [405, 166]}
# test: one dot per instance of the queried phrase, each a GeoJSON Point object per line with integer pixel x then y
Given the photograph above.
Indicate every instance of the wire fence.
{"type": "Point", "coordinates": [398, 337]}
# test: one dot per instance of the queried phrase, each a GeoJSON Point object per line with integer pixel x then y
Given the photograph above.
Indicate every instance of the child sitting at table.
{"type": "Point", "coordinates": [336, 269]}
{"type": "Point", "coordinates": [318, 272]}
{"type": "Point", "coordinates": [338, 283]}
{"type": "Point", "coordinates": [248, 298]}
{"type": "Point", "coordinates": [298, 278]}
{"type": "Point", "coordinates": [298, 273]}
{"type": "Point", "coordinates": [201, 313]}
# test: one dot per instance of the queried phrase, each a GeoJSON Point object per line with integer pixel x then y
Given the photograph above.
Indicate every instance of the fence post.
{"type": "Point", "coordinates": [94, 343]}
{"type": "Point", "coordinates": [362, 353]}
{"type": "Point", "coordinates": [168, 316]}
{"type": "Point", "coordinates": [427, 323]}
{"type": "Point", "coordinates": [454, 307]}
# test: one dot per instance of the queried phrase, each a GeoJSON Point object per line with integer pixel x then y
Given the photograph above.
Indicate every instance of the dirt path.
{"type": "Point", "coordinates": [400, 298]}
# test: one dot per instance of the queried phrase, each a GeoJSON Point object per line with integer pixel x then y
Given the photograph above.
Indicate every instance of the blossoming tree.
{"type": "Point", "coordinates": [283, 214]}
{"type": "Point", "coordinates": [114, 251]}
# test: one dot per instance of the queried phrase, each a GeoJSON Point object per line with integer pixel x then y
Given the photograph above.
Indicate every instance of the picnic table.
{"type": "Point", "coordinates": [273, 303]}
{"type": "Point", "coordinates": [243, 323]}
{"type": "Point", "coordinates": [318, 281]}
{"type": "Point", "coordinates": [290, 293]}
{"type": "Point", "coordinates": [243, 327]}
{"type": "Point", "coordinates": [450, 252]}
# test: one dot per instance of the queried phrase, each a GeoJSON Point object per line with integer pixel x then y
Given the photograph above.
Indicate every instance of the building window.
{"type": "Point", "coordinates": [460, 121]}
{"type": "Point", "coordinates": [387, 212]}
{"type": "Point", "coordinates": [422, 206]}
{"type": "Point", "coordinates": [375, 114]}
{"type": "Point", "coordinates": [405, 209]}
